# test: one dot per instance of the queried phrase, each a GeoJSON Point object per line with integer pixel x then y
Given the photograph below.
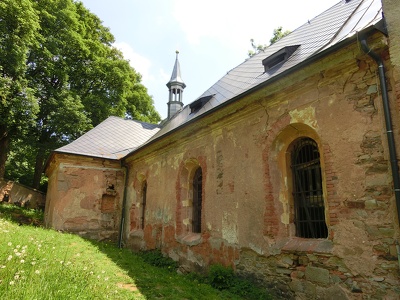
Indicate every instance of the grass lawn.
{"type": "Point", "coordinates": [38, 263]}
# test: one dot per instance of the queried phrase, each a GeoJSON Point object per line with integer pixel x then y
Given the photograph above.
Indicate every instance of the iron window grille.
{"type": "Point", "coordinates": [144, 195]}
{"type": "Point", "coordinates": [307, 190]}
{"type": "Point", "coordinates": [197, 201]}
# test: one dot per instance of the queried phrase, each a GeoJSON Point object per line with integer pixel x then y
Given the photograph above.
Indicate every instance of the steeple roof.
{"type": "Point", "coordinates": [176, 77]}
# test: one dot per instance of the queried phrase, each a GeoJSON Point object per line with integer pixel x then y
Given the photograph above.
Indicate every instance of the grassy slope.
{"type": "Point", "coordinates": [37, 263]}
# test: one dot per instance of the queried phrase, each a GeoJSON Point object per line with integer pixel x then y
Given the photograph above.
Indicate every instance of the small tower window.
{"type": "Point", "coordinates": [309, 209]}
{"type": "Point", "coordinates": [197, 201]}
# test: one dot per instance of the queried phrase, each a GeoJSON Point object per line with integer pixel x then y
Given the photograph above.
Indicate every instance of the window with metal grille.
{"type": "Point", "coordinates": [197, 201]}
{"type": "Point", "coordinates": [144, 195]}
{"type": "Point", "coordinates": [309, 206]}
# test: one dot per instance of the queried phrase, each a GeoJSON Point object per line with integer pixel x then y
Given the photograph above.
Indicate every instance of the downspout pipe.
{"type": "Point", "coordinates": [388, 120]}
{"type": "Point", "coordinates": [123, 210]}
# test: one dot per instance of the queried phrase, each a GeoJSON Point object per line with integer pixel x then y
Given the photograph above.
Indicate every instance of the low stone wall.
{"type": "Point", "coordinates": [13, 192]}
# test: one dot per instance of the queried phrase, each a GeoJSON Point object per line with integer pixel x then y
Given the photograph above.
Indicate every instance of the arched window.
{"type": "Point", "coordinates": [197, 201]}
{"type": "Point", "coordinates": [143, 211]}
{"type": "Point", "coordinates": [309, 209]}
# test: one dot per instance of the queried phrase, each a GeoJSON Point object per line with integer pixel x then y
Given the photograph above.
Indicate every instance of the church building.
{"type": "Point", "coordinates": [285, 169]}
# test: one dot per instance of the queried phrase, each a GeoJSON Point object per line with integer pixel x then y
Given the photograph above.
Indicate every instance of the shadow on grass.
{"type": "Point", "coordinates": [160, 282]}
{"type": "Point", "coordinates": [144, 276]}
{"type": "Point", "coordinates": [156, 277]}
{"type": "Point", "coordinates": [20, 215]}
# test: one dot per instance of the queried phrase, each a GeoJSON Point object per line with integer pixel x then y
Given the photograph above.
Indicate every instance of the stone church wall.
{"type": "Point", "coordinates": [247, 213]}
{"type": "Point", "coordinates": [85, 196]}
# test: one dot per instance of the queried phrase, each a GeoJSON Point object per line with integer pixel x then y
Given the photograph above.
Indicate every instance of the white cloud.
{"type": "Point", "coordinates": [235, 22]}
{"type": "Point", "coordinates": [140, 63]}
{"type": "Point", "coordinates": [226, 19]}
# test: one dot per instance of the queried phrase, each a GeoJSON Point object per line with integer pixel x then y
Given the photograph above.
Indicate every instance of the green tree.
{"type": "Point", "coordinates": [277, 35]}
{"type": "Point", "coordinates": [19, 25]}
{"type": "Point", "coordinates": [79, 79]}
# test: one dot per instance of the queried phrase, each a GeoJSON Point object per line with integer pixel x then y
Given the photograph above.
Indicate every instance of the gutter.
{"type": "Point", "coordinates": [121, 226]}
{"type": "Point", "coordinates": [388, 120]}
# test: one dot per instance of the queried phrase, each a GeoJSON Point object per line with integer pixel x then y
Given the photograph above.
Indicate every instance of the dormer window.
{"type": "Point", "coordinates": [279, 57]}
{"type": "Point", "coordinates": [199, 103]}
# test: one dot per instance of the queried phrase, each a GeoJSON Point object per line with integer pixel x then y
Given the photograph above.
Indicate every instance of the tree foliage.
{"type": "Point", "coordinates": [70, 78]}
{"type": "Point", "coordinates": [19, 24]}
{"type": "Point", "coordinates": [277, 35]}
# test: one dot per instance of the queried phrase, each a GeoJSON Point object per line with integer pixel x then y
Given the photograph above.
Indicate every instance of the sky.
{"type": "Point", "coordinates": [212, 36]}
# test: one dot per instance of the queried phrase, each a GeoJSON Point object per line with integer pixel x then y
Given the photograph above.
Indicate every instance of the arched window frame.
{"type": "Point", "coordinates": [189, 230]}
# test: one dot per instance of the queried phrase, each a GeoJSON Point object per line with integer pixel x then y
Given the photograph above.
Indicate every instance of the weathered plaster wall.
{"type": "Point", "coordinates": [247, 219]}
{"type": "Point", "coordinates": [84, 196]}
{"type": "Point", "coordinates": [392, 11]}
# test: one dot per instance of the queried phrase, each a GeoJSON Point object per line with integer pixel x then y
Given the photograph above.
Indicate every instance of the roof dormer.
{"type": "Point", "coordinates": [279, 57]}
{"type": "Point", "coordinates": [199, 103]}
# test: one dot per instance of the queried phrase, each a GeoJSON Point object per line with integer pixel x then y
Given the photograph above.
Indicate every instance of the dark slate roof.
{"type": "Point", "coordinates": [337, 24]}
{"type": "Point", "coordinates": [113, 138]}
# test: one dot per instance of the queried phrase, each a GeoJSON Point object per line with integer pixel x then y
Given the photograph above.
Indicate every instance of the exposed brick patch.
{"type": "Point", "coordinates": [107, 204]}
{"type": "Point", "coordinates": [178, 193]}
{"type": "Point", "coordinates": [331, 178]}
{"type": "Point", "coordinates": [271, 218]}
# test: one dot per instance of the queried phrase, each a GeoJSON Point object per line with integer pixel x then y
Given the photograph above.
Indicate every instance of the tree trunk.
{"type": "Point", "coordinates": [39, 165]}
{"type": "Point", "coordinates": [4, 146]}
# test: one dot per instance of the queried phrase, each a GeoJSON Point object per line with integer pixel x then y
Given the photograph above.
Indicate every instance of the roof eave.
{"type": "Point", "coordinates": [88, 155]}
{"type": "Point", "coordinates": [55, 152]}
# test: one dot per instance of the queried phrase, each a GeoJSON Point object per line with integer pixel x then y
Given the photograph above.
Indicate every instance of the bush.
{"type": "Point", "coordinates": [224, 278]}
{"type": "Point", "coordinates": [221, 277]}
{"type": "Point", "coordinates": [157, 259]}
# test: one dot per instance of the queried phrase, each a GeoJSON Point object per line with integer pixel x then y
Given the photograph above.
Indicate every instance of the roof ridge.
{"type": "Point", "coordinates": [342, 26]}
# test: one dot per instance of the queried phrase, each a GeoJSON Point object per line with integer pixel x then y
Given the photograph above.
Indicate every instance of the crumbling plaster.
{"type": "Point", "coordinates": [85, 196]}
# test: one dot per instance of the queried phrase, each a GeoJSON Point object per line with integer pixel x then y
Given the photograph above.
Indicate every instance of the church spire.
{"type": "Point", "coordinates": [176, 87]}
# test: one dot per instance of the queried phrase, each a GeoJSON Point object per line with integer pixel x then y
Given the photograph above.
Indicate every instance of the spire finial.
{"type": "Point", "coordinates": [176, 87]}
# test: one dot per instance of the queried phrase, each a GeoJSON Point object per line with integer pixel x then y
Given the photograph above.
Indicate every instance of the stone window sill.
{"type": "Point", "coordinates": [137, 233]}
{"type": "Point", "coordinates": [190, 239]}
{"type": "Point", "coordinates": [308, 246]}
